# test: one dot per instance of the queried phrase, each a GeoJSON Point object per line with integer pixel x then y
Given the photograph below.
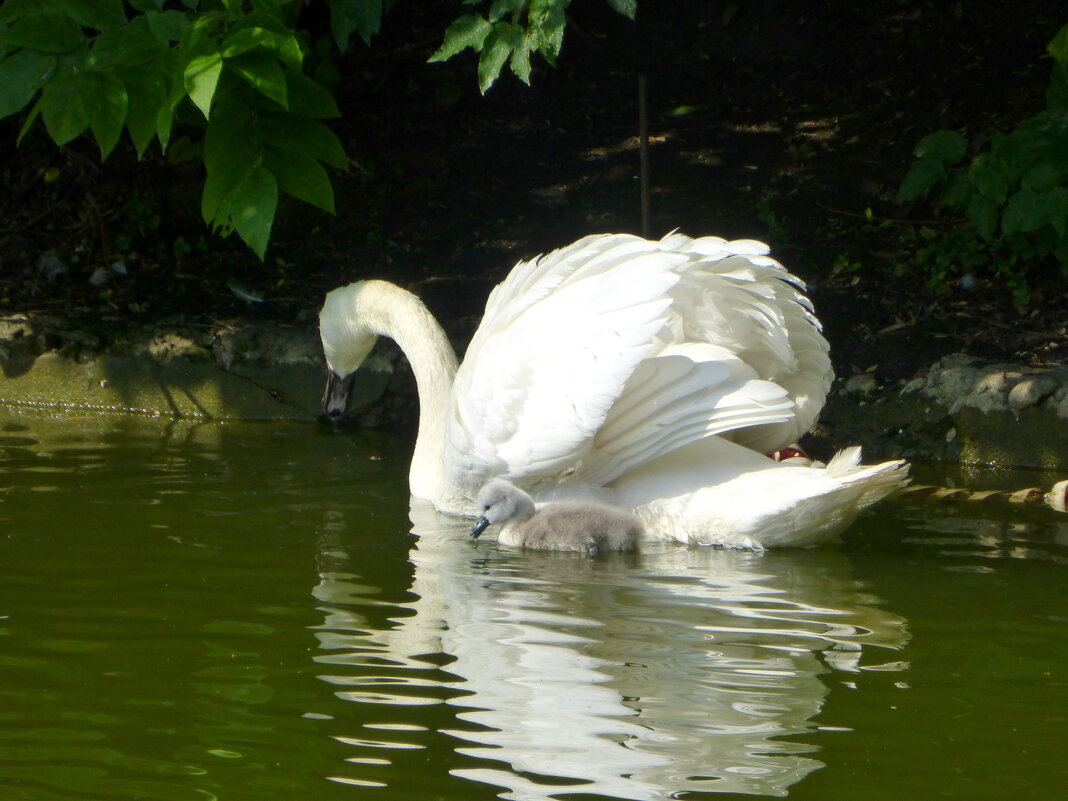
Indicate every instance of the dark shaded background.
{"type": "Point", "coordinates": [781, 121]}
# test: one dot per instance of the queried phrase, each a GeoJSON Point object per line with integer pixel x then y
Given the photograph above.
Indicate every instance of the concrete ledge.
{"type": "Point", "coordinates": [961, 411]}
{"type": "Point", "coordinates": [254, 372]}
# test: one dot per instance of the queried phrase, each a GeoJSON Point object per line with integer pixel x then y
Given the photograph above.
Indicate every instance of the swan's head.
{"type": "Point", "coordinates": [346, 336]}
{"type": "Point", "coordinates": [500, 501]}
{"type": "Point", "coordinates": [347, 340]}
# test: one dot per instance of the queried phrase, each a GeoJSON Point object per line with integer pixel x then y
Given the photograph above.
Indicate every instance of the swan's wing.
{"type": "Point", "coordinates": [737, 297]}
{"type": "Point", "coordinates": [561, 337]}
{"type": "Point", "coordinates": [685, 393]}
{"type": "Point", "coordinates": [532, 282]}
{"type": "Point", "coordinates": [652, 344]}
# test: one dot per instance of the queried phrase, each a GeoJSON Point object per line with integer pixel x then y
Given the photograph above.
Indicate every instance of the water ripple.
{"type": "Point", "coordinates": [640, 677]}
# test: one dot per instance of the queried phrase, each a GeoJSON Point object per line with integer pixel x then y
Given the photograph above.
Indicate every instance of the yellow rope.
{"type": "Point", "coordinates": [1056, 498]}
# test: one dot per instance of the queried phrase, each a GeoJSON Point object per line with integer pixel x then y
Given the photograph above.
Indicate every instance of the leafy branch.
{"type": "Point", "coordinates": [510, 32]}
{"type": "Point", "coordinates": [1015, 192]}
{"type": "Point", "coordinates": [235, 69]}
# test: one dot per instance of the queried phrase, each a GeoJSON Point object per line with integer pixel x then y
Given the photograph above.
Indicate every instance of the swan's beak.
{"type": "Point", "coordinates": [336, 394]}
{"type": "Point", "coordinates": [479, 527]}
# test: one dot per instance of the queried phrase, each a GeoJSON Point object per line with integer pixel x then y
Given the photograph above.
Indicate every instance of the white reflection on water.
{"type": "Point", "coordinates": [637, 677]}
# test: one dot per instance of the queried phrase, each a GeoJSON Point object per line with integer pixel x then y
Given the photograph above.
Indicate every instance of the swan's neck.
{"type": "Point", "coordinates": [389, 311]}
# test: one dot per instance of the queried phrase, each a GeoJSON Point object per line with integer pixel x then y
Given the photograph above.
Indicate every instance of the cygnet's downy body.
{"type": "Point", "coordinates": [583, 526]}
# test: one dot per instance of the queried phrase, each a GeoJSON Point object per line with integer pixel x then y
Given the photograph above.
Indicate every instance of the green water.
{"type": "Point", "coordinates": [244, 612]}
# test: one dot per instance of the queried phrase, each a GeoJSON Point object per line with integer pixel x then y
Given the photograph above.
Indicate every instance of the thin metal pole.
{"type": "Point", "coordinates": [643, 150]}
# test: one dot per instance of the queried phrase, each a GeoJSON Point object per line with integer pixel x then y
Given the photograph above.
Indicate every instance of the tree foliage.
{"type": "Point", "coordinates": [235, 69]}
{"type": "Point", "coordinates": [510, 32]}
{"type": "Point", "coordinates": [1014, 192]}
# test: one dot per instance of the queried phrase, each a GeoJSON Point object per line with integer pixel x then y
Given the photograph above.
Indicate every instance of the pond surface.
{"type": "Point", "coordinates": [253, 611]}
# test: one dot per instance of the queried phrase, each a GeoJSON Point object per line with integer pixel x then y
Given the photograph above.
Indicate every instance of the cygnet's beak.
{"type": "Point", "coordinates": [336, 395]}
{"type": "Point", "coordinates": [479, 527]}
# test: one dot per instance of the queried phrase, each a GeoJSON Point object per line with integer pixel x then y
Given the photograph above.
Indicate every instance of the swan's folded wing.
{"type": "Point", "coordinates": [540, 375]}
{"type": "Point", "coordinates": [749, 304]}
{"type": "Point", "coordinates": [684, 394]}
{"type": "Point", "coordinates": [564, 337]}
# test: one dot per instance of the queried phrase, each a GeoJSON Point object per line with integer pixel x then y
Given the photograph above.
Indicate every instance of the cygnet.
{"type": "Point", "coordinates": [583, 526]}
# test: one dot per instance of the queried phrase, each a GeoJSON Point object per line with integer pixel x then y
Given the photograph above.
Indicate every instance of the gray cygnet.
{"type": "Point", "coordinates": [584, 526]}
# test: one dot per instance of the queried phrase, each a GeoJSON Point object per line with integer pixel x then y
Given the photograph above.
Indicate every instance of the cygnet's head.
{"type": "Point", "coordinates": [500, 501]}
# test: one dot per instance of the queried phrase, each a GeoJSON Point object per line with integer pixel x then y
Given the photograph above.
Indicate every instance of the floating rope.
{"type": "Point", "coordinates": [1056, 498]}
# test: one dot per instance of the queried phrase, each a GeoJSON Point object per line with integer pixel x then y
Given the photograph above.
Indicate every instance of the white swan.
{"type": "Point", "coordinates": [653, 373]}
{"type": "Point", "coordinates": [585, 526]}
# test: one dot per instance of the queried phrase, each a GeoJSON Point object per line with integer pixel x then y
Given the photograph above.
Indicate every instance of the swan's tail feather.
{"type": "Point", "coordinates": [875, 481]}
{"type": "Point", "coordinates": [844, 462]}
{"type": "Point", "coordinates": [848, 489]}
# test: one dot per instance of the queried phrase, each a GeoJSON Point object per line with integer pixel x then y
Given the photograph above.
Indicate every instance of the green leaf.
{"type": "Point", "coordinates": [231, 152]}
{"type": "Point", "coordinates": [103, 15]}
{"type": "Point", "coordinates": [924, 174]}
{"type": "Point", "coordinates": [147, 5]}
{"type": "Point", "coordinates": [1057, 212]}
{"type": "Point", "coordinates": [103, 96]}
{"type": "Point", "coordinates": [362, 16]}
{"type": "Point", "coordinates": [503, 39]}
{"type": "Point", "coordinates": [202, 37]}
{"type": "Point", "coordinates": [946, 146]}
{"type": "Point", "coordinates": [131, 44]}
{"type": "Point", "coordinates": [1057, 91]}
{"type": "Point", "coordinates": [628, 8]}
{"type": "Point", "coordinates": [1043, 177]}
{"type": "Point", "coordinates": [989, 179]}
{"type": "Point", "coordinates": [957, 191]}
{"type": "Point", "coordinates": [467, 31]}
{"type": "Point", "coordinates": [289, 52]}
{"type": "Point", "coordinates": [252, 206]}
{"type": "Point", "coordinates": [21, 75]}
{"type": "Point", "coordinates": [1025, 212]}
{"type": "Point", "coordinates": [262, 71]}
{"type": "Point", "coordinates": [984, 214]}
{"type": "Point", "coordinates": [147, 94]}
{"type": "Point", "coordinates": [168, 26]}
{"type": "Point", "coordinates": [547, 20]}
{"type": "Point", "coordinates": [241, 40]}
{"type": "Point", "coordinates": [520, 60]}
{"type": "Point", "coordinates": [506, 8]}
{"type": "Point", "coordinates": [201, 79]}
{"type": "Point", "coordinates": [300, 135]}
{"type": "Point", "coordinates": [64, 116]}
{"type": "Point", "coordinates": [283, 43]}
{"type": "Point", "coordinates": [47, 32]}
{"type": "Point", "coordinates": [11, 10]}
{"type": "Point", "coordinates": [164, 123]}
{"type": "Point", "coordinates": [31, 118]}
{"type": "Point", "coordinates": [1017, 151]}
{"type": "Point", "coordinates": [302, 177]}
{"type": "Point", "coordinates": [99, 14]}
{"type": "Point", "coordinates": [309, 98]}
{"type": "Point", "coordinates": [1058, 46]}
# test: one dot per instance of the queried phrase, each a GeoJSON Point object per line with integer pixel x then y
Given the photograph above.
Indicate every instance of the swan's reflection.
{"type": "Point", "coordinates": [638, 676]}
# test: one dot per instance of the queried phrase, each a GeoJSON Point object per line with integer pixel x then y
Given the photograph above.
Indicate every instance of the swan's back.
{"type": "Point", "coordinates": [597, 358]}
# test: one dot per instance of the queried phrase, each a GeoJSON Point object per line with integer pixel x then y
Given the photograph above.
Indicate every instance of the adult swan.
{"type": "Point", "coordinates": [652, 374]}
